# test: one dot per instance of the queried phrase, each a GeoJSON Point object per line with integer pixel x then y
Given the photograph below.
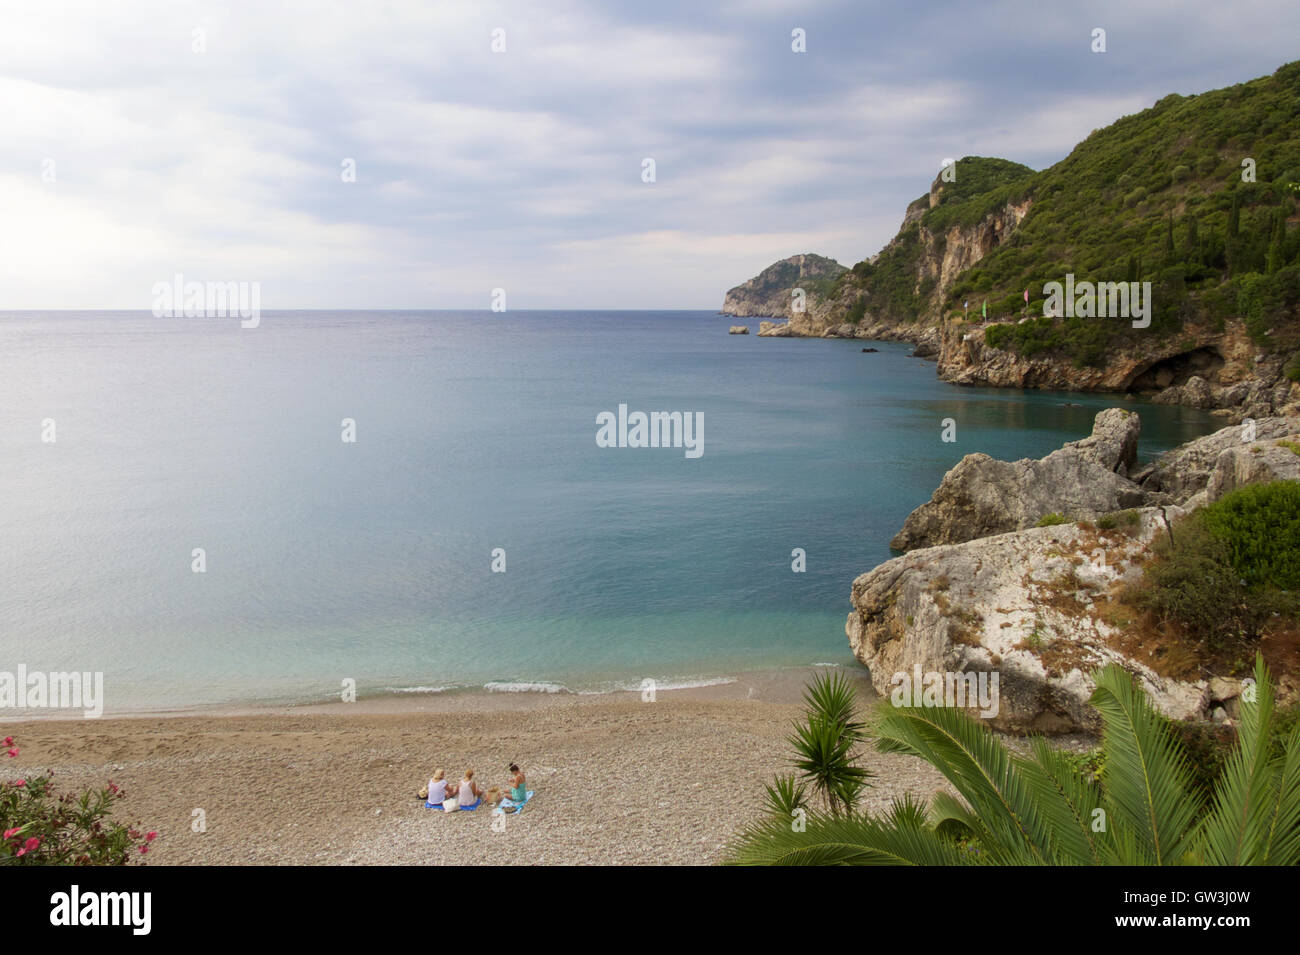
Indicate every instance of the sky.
{"type": "Point", "coordinates": [148, 138]}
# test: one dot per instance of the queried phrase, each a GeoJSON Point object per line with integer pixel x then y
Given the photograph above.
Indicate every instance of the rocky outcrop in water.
{"type": "Point", "coordinates": [1221, 371]}
{"type": "Point", "coordinates": [770, 294]}
{"type": "Point", "coordinates": [1030, 604]}
{"type": "Point", "coordinates": [983, 496]}
{"type": "Point", "coordinates": [1239, 454]}
{"type": "Point", "coordinates": [1021, 605]}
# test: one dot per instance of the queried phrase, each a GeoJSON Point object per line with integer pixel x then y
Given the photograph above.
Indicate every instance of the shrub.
{"type": "Point", "coordinates": [1231, 566]}
{"type": "Point", "coordinates": [1051, 520]}
{"type": "Point", "coordinates": [1260, 526]}
{"type": "Point", "coordinates": [39, 826]}
{"type": "Point", "coordinates": [1292, 368]}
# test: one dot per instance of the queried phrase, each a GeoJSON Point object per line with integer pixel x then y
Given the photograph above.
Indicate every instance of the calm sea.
{"type": "Point", "coordinates": [372, 560]}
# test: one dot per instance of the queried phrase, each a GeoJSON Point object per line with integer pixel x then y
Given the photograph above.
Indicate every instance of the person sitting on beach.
{"type": "Point", "coordinates": [469, 791]}
{"type": "Point", "coordinates": [437, 794]}
{"type": "Point", "coordinates": [518, 791]}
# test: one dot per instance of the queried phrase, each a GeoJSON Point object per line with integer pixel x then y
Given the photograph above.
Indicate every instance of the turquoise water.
{"type": "Point", "coordinates": [372, 560]}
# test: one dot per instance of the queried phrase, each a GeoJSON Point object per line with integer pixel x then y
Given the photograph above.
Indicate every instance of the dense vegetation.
{"type": "Point", "coordinates": [1144, 804]}
{"type": "Point", "coordinates": [889, 286]}
{"type": "Point", "coordinates": [1230, 569]}
{"type": "Point", "coordinates": [1158, 196]}
{"type": "Point", "coordinates": [816, 277]}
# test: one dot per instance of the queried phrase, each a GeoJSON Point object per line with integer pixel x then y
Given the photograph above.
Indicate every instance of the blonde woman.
{"type": "Point", "coordinates": [469, 793]}
{"type": "Point", "coordinates": [437, 790]}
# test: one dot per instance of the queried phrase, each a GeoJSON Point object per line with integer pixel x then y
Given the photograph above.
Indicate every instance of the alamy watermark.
{"type": "Point", "coordinates": [1098, 300]}
{"type": "Point", "coordinates": [181, 299]}
{"type": "Point", "coordinates": [966, 690]}
{"type": "Point", "coordinates": [36, 689]}
{"type": "Point", "coordinates": [657, 429]}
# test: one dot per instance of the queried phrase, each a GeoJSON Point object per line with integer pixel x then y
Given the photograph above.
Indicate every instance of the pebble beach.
{"type": "Point", "coordinates": [618, 780]}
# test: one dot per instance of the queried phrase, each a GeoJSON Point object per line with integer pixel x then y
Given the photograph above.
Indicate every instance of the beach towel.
{"type": "Point", "coordinates": [508, 805]}
{"type": "Point", "coordinates": [477, 803]}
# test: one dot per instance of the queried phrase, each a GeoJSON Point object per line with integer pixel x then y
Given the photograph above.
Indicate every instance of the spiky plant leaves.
{"type": "Point", "coordinates": [899, 837]}
{"type": "Point", "coordinates": [980, 767]}
{"type": "Point", "coordinates": [785, 796]}
{"type": "Point", "coordinates": [1255, 815]}
{"type": "Point", "coordinates": [1146, 779]}
{"type": "Point", "coordinates": [824, 757]}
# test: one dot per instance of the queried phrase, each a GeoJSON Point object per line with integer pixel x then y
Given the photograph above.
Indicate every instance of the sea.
{"type": "Point", "coordinates": [418, 503]}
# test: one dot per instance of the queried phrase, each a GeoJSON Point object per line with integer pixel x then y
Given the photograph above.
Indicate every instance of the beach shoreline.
{"type": "Point", "coordinates": [618, 779]}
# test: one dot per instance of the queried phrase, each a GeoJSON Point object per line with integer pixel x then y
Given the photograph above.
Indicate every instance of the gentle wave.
{"type": "Point", "coordinates": [418, 689]}
{"type": "Point", "coordinates": [525, 687]}
{"type": "Point", "coordinates": [660, 685]}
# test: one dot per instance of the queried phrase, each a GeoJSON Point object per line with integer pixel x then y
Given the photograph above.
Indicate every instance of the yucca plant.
{"type": "Point", "coordinates": [1037, 809]}
{"type": "Point", "coordinates": [824, 743]}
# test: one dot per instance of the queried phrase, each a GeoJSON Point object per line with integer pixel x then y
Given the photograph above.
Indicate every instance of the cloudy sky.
{"type": "Point", "coordinates": [135, 148]}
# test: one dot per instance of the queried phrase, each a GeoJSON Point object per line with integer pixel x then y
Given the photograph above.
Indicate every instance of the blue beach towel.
{"type": "Point", "coordinates": [438, 805]}
{"type": "Point", "coordinates": [507, 803]}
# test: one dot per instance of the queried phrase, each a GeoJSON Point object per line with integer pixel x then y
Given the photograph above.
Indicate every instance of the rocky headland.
{"type": "Point", "coordinates": [1143, 203]}
{"type": "Point", "coordinates": [1014, 568]}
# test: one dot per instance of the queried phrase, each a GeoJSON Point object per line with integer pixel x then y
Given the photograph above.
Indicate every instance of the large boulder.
{"type": "Point", "coordinates": [983, 496]}
{"type": "Point", "coordinates": [1180, 474]}
{"type": "Point", "coordinates": [1256, 463]}
{"type": "Point", "coordinates": [1021, 606]}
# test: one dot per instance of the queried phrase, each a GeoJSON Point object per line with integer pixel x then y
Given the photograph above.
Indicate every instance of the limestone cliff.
{"type": "Point", "coordinates": [1035, 605]}
{"type": "Point", "coordinates": [772, 293]}
{"type": "Point", "coordinates": [1215, 370]}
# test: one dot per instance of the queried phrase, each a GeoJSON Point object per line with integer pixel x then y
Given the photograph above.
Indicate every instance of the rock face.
{"type": "Point", "coordinates": [1213, 370]}
{"type": "Point", "coordinates": [771, 292]}
{"type": "Point", "coordinates": [1180, 474]}
{"type": "Point", "coordinates": [738, 330]}
{"type": "Point", "coordinates": [983, 496]}
{"type": "Point", "coordinates": [1025, 604]}
{"type": "Point", "coordinates": [1259, 463]}
{"type": "Point", "coordinates": [1019, 605]}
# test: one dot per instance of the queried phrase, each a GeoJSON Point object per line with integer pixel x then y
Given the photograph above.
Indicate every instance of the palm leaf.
{"type": "Point", "coordinates": [1068, 802]}
{"type": "Point", "coordinates": [1147, 796]}
{"type": "Point", "coordinates": [979, 767]}
{"type": "Point", "coordinates": [1236, 831]}
{"type": "Point", "coordinates": [900, 837]}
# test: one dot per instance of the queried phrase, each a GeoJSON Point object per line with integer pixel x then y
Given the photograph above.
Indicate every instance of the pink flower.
{"type": "Point", "coordinates": [29, 846]}
{"type": "Point", "coordinates": [21, 783]}
{"type": "Point", "coordinates": [150, 836]}
{"type": "Point", "coordinates": [112, 786]}
{"type": "Point", "coordinates": [9, 740]}
{"type": "Point", "coordinates": [13, 751]}
{"type": "Point", "coordinates": [143, 850]}
{"type": "Point", "coordinates": [10, 833]}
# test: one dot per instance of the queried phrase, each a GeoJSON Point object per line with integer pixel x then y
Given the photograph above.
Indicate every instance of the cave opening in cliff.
{"type": "Point", "coordinates": [1177, 369]}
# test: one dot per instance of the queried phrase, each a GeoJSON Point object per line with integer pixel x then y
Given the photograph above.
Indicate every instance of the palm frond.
{"type": "Point", "coordinates": [1146, 779]}
{"type": "Point", "coordinates": [979, 767]}
{"type": "Point", "coordinates": [1069, 803]}
{"type": "Point", "coordinates": [900, 837]}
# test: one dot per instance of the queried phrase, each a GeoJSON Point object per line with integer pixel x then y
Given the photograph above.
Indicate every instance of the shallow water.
{"type": "Point", "coordinates": [372, 560]}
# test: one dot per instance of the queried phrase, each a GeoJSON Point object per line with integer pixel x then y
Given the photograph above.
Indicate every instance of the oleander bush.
{"type": "Point", "coordinates": [41, 826]}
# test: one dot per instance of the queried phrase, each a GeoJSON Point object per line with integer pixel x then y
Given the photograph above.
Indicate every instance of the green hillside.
{"type": "Point", "coordinates": [1158, 196]}
{"type": "Point", "coordinates": [981, 184]}
{"type": "Point", "coordinates": [814, 273]}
